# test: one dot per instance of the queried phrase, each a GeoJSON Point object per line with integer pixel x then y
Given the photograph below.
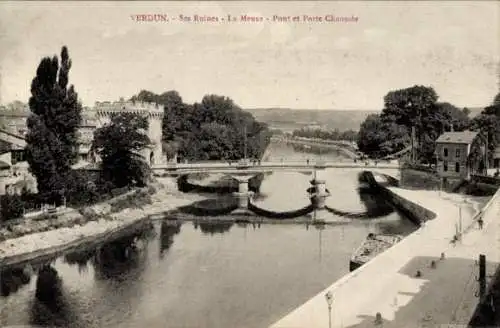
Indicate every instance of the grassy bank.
{"type": "Point", "coordinates": [46, 237]}
{"type": "Point", "coordinates": [75, 217]}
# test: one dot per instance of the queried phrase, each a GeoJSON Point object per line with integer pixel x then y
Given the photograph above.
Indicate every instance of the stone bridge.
{"type": "Point", "coordinates": [243, 172]}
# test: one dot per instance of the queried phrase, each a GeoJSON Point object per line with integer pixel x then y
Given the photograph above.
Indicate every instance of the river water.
{"type": "Point", "coordinates": [212, 275]}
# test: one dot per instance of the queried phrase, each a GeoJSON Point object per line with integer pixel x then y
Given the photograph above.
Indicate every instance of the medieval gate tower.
{"type": "Point", "coordinates": [154, 153]}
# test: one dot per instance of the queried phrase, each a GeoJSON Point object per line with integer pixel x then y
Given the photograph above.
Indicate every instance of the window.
{"type": "Point", "coordinates": [445, 152]}
{"type": "Point", "coordinates": [457, 167]}
{"type": "Point", "coordinates": [445, 166]}
{"type": "Point", "coordinates": [457, 153]}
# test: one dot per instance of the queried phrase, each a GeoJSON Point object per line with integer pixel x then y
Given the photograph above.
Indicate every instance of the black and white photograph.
{"type": "Point", "coordinates": [249, 164]}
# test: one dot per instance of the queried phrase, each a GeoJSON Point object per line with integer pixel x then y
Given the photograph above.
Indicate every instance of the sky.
{"type": "Point", "coordinates": [452, 46]}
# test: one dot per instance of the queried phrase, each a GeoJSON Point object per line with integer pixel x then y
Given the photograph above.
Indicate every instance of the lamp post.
{"type": "Point", "coordinates": [459, 223]}
{"type": "Point", "coordinates": [329, 301]}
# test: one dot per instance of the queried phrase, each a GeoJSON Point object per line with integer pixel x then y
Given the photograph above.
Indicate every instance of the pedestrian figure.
{"type": "Point", "coordinates": [480, 223]}
{"type": "Point", "coordinates": [308, 161]}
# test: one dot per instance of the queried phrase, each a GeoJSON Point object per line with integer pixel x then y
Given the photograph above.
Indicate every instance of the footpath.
{"type": "Point", "coordinates": [443, 294]}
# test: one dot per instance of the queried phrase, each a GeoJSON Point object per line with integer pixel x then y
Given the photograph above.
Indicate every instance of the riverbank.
{"type": "Point", "coordinates": [29, 246]}
{"type": "Point", "coordinates": [442, 294]}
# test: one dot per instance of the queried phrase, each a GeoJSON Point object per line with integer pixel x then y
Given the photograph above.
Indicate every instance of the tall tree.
{"type": "Point", "coordinates": [496, 100]}
{"type": "Point", "coordinates": [371, 135]}
{"type": "Point", "coordinates": [119, 145]}
{"type": "Point", "coordinates": [52, 126]}
{"type": "Point", "coordinates": [488, 122]}
{"type": "Point", "coordinates": [409, 108]}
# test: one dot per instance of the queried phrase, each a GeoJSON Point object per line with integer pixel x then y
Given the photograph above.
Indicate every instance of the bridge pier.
{"type": "Point", "coordinates": [318, 198]}
{"type": "Point", "coordinates": [243, 194]}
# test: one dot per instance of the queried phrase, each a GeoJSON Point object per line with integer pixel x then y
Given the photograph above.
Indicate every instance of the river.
{"type": "Point", "coordinates": [212, 275]}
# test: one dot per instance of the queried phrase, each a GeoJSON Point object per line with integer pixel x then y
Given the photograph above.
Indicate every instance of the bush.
{"type": "Point", "coordinates": [135, 200]}
{"type": "Point", "coordinates": [12, 207]}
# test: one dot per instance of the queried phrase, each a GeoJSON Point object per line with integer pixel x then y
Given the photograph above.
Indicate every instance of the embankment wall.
{"type": "Point", "coordinates": [416, 213]}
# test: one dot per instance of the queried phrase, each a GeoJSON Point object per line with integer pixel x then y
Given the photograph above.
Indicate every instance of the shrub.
{"type": "Point", "coordinates": [135, 200]}
{"type": "Point", "coordinates": [12, 207]}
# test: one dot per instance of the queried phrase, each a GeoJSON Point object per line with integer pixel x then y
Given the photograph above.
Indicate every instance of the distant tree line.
{"type": "Point", "coordinates": [213, 129]}
{"type": "Point", "coordinates": [349, 135]}
{"type": "Point", "coordinates": [417, 107]}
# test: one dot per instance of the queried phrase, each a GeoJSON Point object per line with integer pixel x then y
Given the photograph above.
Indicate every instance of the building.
{"type": "Point", "coordinates": [460, 154]}
{"type": "Point", "coordinates": [154, 154]}
{"type": "Point", "coordinates": [14, 170]}
{"type": "Point", "coordinates": [93, 118]}
{"type": "Point", "coordinates": [86, 134]}
{"type": "Point", "coordinates": [496, 158]}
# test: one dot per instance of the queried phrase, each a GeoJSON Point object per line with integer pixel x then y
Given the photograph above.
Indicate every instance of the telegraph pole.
{"type": "Point", "coordinates": [486, 164]}
{"type": "Point", "coordinates": [245, 136]}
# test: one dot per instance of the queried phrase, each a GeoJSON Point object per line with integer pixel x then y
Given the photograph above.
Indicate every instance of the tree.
{"type": "Point", "coordinates": [51, 141]}
{"type": "Point", "coordinates": [11, 207]}
{"type": "Point", "coordinates": [496, 100]}
{"type": "Point", "coordinates": [214, 128]}
{"type": "Point", "coordinates": [119, 145]}
{"type": "Point", "coordinates": [409, 108]}
{"type": "Point", "coordinates": [371, 135]}
{"type": "Point", "coordinates": [488, 122]}
{"type": "Point", "coordinates": [453, 116]}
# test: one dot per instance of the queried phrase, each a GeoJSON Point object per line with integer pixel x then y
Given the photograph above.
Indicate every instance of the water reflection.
{"type": "Point", "coordinates": [376, 206]}
{"type": "Point", "coordinates": [50, 306]}
{"type": "Point", "coordinates": [211, 207]}
{"type": "Point", "coordinates": [12, 280]}
{"type": "Point", "coordinates": [212, 228]}
{"type": "Point", "coordinates": [116, 258]}
{"type": "Point", "coordinates": [80, 259]}
{"type": "Point", "coordinates": [169, 228]}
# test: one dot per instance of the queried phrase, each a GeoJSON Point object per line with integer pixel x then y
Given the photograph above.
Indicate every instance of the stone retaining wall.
{"type": "Point", "coordinates": [416, 213]}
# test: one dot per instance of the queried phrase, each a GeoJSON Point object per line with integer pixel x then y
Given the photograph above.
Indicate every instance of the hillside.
{"type": "Point", "coordinates": [291, 119]}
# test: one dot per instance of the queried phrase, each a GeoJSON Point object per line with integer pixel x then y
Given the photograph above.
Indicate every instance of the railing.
{"type": "Point", "coordinates": [300, 165]}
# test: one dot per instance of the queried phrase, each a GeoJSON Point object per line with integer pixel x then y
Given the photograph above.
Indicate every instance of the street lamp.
{"type": "Point", "coordinates": [329, 301]}
{"type": "Point", "coordinates": [459, 224]}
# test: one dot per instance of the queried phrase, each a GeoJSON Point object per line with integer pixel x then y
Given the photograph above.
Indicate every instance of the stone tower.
{"type": "Point", "coordinates": [154, 153]}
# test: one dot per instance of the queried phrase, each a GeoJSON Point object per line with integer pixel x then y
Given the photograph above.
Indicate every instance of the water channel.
{"type": "Point", "coordinates": [212, 275]}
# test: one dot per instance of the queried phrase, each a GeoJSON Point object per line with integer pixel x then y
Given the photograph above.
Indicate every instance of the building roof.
{"type": "Point", "coordinates": [464, 137]}
{"type": "Point", "coordinates": [12, 138]}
